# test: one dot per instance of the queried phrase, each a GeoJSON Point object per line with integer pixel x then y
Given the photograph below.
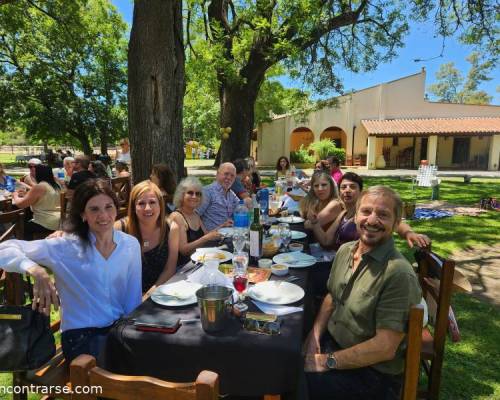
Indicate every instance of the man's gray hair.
{"type": "Point", "coordinates": [182, 188]}
{"type": "Point", "coordinates": [384, 191]}
{"type": "Point", "coordinates": [68, 160]}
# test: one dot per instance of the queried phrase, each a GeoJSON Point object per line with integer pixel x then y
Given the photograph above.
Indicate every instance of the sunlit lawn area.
{"type": "Point", "coordinates": [471, 366]}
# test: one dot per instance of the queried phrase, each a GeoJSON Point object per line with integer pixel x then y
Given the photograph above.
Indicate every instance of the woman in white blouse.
{"type": "Point", "coordinates": [97, 270]}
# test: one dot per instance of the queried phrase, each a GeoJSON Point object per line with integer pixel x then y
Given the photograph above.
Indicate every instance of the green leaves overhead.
{"type": "Point", "coordinates": [63, 68]}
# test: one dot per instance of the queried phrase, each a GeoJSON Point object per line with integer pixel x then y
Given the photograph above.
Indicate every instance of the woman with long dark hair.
{"type": "Point", "coordinates": [97, 270]}
{"type": "Point", "coordinates": [283, 167]}
{"type": "Point", "coordinates": [44, 201]}
{"type": "Point", "coordinates": [163, 176]}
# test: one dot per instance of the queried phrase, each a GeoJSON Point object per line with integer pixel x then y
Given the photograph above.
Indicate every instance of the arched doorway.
{"type": "Point", "coordinates": [336, 135]}
{"type": "Point", "coordinates": [301, 136]}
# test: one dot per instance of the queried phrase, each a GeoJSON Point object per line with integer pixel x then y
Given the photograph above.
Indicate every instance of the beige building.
{"type": "Point", "coordinates": [392, 125]}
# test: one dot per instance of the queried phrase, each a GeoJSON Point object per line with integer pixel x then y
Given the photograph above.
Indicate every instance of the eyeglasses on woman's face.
{"type": "Point", "coordinates": [193, 193]}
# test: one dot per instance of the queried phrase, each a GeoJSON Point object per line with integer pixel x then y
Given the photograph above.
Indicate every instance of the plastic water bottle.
{"type": "Point", "coordinates": [263, 196]}
{"type": "Point", "coordinates": [241, 216]}
{"type": "Point", "coordinates": [60, 173]}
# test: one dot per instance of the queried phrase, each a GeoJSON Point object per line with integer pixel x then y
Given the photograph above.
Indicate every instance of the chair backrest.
{"type": "Point", "coordinates": [412, 359]}
{"type": "Point", "coordinates": [436, 279]}
{"type": "Point", "coordinates": [84, 372]}
{"type": "Point", "coordinates": [63, 200]}
{"type": "Point", "coordinates": [12, 283]}
{"type": "Point", "coordinates": [121, 186]}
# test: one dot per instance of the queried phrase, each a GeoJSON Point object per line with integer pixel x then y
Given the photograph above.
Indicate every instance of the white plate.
{"type": "Point", "coordinates": [296, 235]}
{"type": "Point", "coordinates": [289, 258]}
{"type": "Point", "coordinates": [211, 255]}
{"type": "Point", "coordinates": [291, 219]}
{"type": "Point", "coordinates": [184, 291]}
{"type": "Point", "coordinates": [276, 292]}
{"type": "Point", "coordinates": [226, 231]}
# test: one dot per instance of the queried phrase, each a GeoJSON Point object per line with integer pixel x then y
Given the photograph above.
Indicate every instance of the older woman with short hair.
{"type": "Point", "coordinates": [192, 233]}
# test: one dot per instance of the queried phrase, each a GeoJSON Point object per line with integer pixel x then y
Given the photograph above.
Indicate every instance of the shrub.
{"type": "Point", "coordinates": [326, 148]}
{"type": "Point", "coordinates": [301, 156]}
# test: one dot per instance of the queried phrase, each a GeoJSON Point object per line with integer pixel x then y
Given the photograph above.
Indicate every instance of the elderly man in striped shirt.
{"type": "Point", "coordinates": [219, 201]}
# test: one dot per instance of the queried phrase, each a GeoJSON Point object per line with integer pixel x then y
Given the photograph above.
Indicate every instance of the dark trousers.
{"type": "Point", "coordinates": [30, 228]}
{"type": "Point", "coordinates": [351, 384]}
{"type": "Point", "coordinates": [91, 341]}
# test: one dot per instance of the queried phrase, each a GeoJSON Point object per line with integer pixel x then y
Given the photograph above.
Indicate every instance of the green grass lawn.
{"type": "Point", "coordinates": [471, 366]}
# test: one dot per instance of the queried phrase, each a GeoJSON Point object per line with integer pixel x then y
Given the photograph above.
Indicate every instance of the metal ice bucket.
{"type": "Point", "coordinates": [215, 306]}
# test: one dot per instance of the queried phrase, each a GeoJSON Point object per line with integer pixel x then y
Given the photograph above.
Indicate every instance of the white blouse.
{"type": "Point", "coordinates": [94, 291]}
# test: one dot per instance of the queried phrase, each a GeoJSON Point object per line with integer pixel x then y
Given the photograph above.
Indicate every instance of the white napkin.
{"type": "Point", "coordinates": [276, 309]}
{"type": "Point", "coordinates": [203, 275]}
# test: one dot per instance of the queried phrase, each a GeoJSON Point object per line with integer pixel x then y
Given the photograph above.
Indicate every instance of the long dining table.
{"type": "Point", "coordinates": [248, 363]}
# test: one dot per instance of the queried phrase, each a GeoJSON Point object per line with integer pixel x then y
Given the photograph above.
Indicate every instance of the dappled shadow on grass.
{"type": "Point", "coordinates": [471, 366]}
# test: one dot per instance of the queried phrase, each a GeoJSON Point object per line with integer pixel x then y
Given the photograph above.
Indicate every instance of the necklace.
{"type": "Point", "coordinates": [145, 243]}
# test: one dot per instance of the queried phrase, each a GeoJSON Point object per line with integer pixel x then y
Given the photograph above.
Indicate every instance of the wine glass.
{"type": "Point", "coordinates": [239, 239]}
{"type": "Point", "coordinates": [240, 278]}
{"type": "Point", "coordinates": [285, 234]}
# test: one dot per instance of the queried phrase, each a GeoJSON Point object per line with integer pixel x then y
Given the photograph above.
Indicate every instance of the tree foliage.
{"type": "Point", "coordinates": [63, 70]}
{"type": "Point", "coordinates": [241, 40]}
{"type": "Point", "coordinates": [453, 87]}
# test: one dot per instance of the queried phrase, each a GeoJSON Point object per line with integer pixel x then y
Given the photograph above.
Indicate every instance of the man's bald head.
{"type": "Point", "coordinates": [226, 175]}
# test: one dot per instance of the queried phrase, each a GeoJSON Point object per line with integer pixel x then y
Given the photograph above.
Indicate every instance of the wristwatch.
{"type": "Point", "coordinates": [331, 361]}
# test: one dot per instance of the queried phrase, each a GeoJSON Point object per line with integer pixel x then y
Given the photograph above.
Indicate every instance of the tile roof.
{"type": "Point", "coordinates": [432, 126]}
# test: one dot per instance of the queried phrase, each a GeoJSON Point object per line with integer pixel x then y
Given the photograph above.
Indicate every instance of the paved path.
{"type": "Point", "coordinates": [481, 265]}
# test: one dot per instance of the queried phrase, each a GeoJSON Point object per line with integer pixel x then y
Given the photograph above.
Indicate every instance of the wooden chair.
{"type": "Point", "coordinates": [84, 372]}
{"type": "Point", "coordinates": [63, 200]}
{"type": "Point", "coordinates": [436, 279]}
{"type": "Point", "coordinates": [55, 372]}
{"type": "Point", "coordinates": [122, 186]}
{"type": "Point", "coordinates": [413, 349]}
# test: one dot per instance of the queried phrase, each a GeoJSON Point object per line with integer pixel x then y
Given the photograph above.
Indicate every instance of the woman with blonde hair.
{"type": "Point", "coordinates": [322, 203]}
{"type": "Point", "coordinates": [192, 233]}
{"type": "Point", "coordinates": [146, 221]}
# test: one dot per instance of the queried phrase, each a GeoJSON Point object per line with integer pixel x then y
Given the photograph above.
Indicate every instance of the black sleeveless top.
{"type": "Point", "coordinates": [153, 261]}
{"type": "Point", "coordinates": [192, 235]}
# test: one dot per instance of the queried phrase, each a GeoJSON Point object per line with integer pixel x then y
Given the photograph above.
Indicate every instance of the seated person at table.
{"type": "Point", "coordinates": [322, 199]}
{"type": "Point", "coordinates": [335, 170]}
{"type": "Point", "coordinates": [354, 349]}
{"type": "Point", "coordinates": [97, 270]}
{"type": "Point", "coordinates": [344, 230]}
{"type": "Point", "coordinates": [192, 233]}
{"type": "Point", "coordinates": [44, 201]}
{"type": "Point", "coordinates": [283, 168]}
{"type": "Point", "coordinates": [68, 170]}
{"type": "Point", "coordinates": [163, 176]}
{"type": "Point", "coordinates": [242, 173]}
{"type": "Point", "coordinates": [6, 182]}
{"type": "Point", "coordinates": [253, 181]}
{"type": "Point", "coordinates": [159, 243]}
{"type": "Point", "coordinates": [81, 174]}
{"type": "Point", "coordinates": [322, 166]}
{"type": "Point", "coordinates": [219, 201]}
{"type": "Point", "coordinates": [121, 169]}
{"type": "Point", "coordinates": [30, 179]}
{"type": "Point", "coordinates": [99, 170]}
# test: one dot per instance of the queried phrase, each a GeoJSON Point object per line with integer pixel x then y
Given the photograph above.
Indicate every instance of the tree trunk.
{"type": "Point", "coordinates": [86, 146]}
{"type": "Point", "coordinates": [237, 112]}
{"type": "Point", "coordinates": [103, 137]}
{"type": "Point", "coordinates": [156, 86]}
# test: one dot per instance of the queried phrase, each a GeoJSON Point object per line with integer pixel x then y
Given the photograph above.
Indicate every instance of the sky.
{"type": "Point", "coordinates": [419, 44]}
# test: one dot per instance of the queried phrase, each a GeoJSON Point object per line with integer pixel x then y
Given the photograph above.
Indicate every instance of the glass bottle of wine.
{"type": "Point", "coordinates": [256, 236]}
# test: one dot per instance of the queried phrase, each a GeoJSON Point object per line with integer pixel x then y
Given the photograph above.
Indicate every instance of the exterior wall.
{"type": "Point", "coordinates": [402, 98]}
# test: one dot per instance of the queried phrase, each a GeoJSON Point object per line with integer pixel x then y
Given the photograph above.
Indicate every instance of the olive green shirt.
{"type": "Point", "coordinates": [379, 298]}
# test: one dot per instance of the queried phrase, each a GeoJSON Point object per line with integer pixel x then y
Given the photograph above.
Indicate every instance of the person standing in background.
{"type": "Point", "coordinates": [124, 155]}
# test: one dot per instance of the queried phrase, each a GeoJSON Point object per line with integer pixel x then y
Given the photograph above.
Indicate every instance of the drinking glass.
{"type": "Point", "coordinates": [285, 234]}
{"type": "Point", "coordinates": [240, 278]}
{"type": "Point", "coordinates": [239, 239]}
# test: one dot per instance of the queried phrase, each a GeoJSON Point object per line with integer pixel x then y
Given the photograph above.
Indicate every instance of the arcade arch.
{"type": "Point", "coordinates": [301, 136]}
{"type": "Point", "coordinates": [335, 134]}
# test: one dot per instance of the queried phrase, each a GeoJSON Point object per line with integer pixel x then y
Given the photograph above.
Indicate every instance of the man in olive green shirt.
{"type": "Point", "coordinates": [363, 319]}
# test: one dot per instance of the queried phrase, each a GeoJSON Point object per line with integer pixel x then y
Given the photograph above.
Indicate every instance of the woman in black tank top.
{"type": "Point", "coordinates": [192, 232]}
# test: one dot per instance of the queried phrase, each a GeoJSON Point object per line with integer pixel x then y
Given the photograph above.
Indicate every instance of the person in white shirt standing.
{"type": "Point", "coordinates": [124, 155]}
{"type": "Point", "coordinates": [97, 270]}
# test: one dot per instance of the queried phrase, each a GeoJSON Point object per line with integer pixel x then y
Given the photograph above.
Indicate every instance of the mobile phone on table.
{"type": "Point", "coordinates": [167, 326]}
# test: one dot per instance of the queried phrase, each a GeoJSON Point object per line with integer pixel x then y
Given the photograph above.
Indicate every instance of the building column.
{"type": "Point", "coordinates": [494, 154]}
{"type": "Point", "coordinates": [371, 154]}
{"type": "Point", "coordinates": [432, 146]}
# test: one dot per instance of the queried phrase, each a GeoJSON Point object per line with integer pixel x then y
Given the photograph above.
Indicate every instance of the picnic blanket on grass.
{"type": "Point", "coordinates": [429, 213]}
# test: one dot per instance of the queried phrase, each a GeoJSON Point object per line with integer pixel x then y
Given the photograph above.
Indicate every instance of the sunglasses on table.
{"type": "Point", "coordinates": [192, 193]}
{"type": "Point", "coordinates": [265, 327]}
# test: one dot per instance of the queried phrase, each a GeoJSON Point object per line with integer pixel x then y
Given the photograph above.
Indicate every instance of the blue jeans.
{"type": "Point", "coordinates": [83, 341]}
{"type": "Point", "coordinates": [351, 384]}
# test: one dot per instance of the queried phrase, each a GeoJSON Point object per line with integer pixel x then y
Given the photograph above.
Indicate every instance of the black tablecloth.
{"type": "Point", "coordinates": [248, 364]}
